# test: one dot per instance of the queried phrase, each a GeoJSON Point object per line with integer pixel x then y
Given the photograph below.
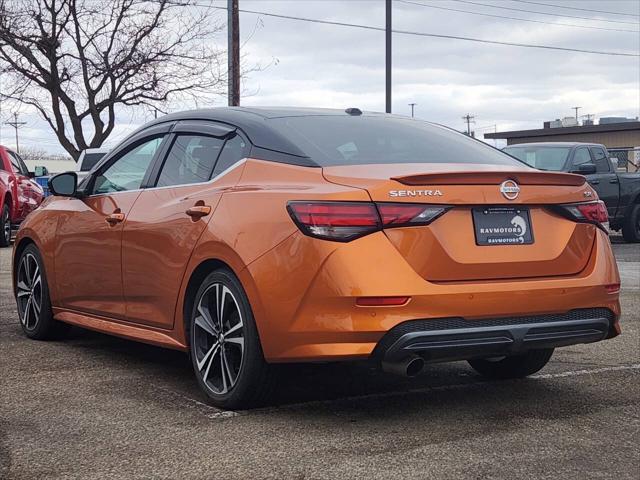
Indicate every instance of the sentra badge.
{"type": "Point", "coordinates": [415, 193]}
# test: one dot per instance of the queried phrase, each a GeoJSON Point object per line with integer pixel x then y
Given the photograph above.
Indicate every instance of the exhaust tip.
{"type": "Point", "coordinates": [410, 366]}
{"type": "Point", "coordinates": [414, 367]}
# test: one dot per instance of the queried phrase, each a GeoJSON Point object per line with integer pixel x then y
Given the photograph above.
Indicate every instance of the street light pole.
{"type": "Point", "coordinates": [388, 57]}
{"type": "Point", "coordinates": [412, 105]}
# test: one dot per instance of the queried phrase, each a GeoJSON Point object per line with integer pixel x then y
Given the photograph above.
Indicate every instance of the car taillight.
{"type": "Point", "coordinates": [340, 221]}
{"type": "Point", "coordinates": [407, 214]}
{"type": "Point", "coordinates": [591, 212]}
{"type": "Point", "coordinates": [345, 221]}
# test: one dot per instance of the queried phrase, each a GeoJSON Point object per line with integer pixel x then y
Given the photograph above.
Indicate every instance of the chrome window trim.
{"type": "Point", "coordinates": [242, 161]}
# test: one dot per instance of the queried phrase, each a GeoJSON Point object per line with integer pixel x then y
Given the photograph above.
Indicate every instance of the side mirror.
{"type": "Point", "coordinates": [585, 169]}
{"type": "Point", "coordinates": [64, 184]}
{"type": "Point", "coordinates": [41, 171]}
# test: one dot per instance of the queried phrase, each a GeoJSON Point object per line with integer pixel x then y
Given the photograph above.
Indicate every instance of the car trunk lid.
{"type": "Point", "coordinates": [450, 249]}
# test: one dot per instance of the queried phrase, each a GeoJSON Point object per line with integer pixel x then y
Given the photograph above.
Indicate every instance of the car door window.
{"type": "Point", "coordinates": [581, 156]}
{"type": "Point", "coordinates": [601, 160]}
{"type": "Point", "coordinates": [128, 171]}
{"type": "Point", "coordinates": [190, 160]}
{"type": "Point", "coordinates": [18, 164]}
{"type": "Point", "coordinates": [235, 149]}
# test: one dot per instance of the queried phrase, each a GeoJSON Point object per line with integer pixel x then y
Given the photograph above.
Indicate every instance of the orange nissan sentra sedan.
{"type": "Point", "coordinates": [251, 236]}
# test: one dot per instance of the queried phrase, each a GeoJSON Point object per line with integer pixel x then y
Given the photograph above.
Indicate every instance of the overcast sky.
{"type": "Point", "coordinates": [321, 65]}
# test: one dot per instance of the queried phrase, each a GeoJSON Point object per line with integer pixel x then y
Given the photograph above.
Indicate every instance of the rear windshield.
{"type": "Point", "coordinates": [543, 158]}
{"type": "Point", "coordinates": [352, 140]}
{"type": "Point", "coordinates": [90, 160]}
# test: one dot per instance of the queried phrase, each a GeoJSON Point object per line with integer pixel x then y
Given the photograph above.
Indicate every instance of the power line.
{"type": "Point", "coordinates": [543, 13]}
{"type": "Point", "coordinates": [425, 34]}
{"type": "Point", "coordinates": [578, 8]}
{"type": "Point", "coordinates": [516, 18]}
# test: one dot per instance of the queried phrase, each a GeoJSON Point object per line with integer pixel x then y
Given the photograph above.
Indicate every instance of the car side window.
{"type": "Point", "coordinates": [601, 160]}
{"type": "Point", "coordinates": [190, 160]}
{"type": "Point", "coordinates": [581, 156]}
{"type": "Point", "coordinates": [18, 164]}
{"type": "Point", "coordinates": [128, 171]}
{"type": "Point", "coordinates": [235, 149]}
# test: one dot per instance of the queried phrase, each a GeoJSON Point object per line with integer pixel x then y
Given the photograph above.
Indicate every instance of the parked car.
{"type": "Point", "coordinates": [19, 194]}
{"type": "Point", "coordinates": [249, 236]}
{"type": "Point", "coordinates": [620, 191]}
{"type": "Point", "coordinates": [88, 159]}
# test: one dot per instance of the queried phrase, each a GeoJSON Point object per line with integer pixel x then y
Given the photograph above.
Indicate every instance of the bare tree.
{"type": "Point", "coordinates": [77, 61]}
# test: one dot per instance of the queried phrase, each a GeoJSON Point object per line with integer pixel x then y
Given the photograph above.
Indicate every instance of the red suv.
{"type": "Point", "coordinates": [19, 194]}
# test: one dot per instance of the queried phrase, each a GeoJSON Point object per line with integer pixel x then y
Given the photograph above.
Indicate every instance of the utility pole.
{"type": "Point", "coordinates": [469, 119]}
{"type": "Point", "coordinates": [16, 124]}
{"type": "Point", "coordinates": [576, 109]}
{"type": "Point", "coordinates": [412, 105]}
{"type": "Point", "coordinates": [233, 52]}
{"type": "Point", "coordinates": [388, 57]}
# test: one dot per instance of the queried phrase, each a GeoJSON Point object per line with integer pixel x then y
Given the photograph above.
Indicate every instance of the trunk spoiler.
{"type": "Point", "coordinates": [489, 178]}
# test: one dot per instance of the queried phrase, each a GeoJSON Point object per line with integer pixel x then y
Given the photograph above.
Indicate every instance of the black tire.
{"type": "Point", "coordinates": [518, 366]}
{"type": "Point", "coordinates": [254, 378]}
{"type": "Point", "coordinates": [5, 227]}
{"type": "Point", "coordinates": [32, 298]}
{"type": "Point", "coordinates": [631, 225]}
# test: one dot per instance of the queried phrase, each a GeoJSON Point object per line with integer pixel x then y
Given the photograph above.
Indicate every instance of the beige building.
{"type": "Point", "coordinates": [611, 135]}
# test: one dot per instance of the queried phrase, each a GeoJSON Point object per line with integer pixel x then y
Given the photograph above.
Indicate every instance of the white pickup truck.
{"type": "Point", "coordinates": [88, 159]}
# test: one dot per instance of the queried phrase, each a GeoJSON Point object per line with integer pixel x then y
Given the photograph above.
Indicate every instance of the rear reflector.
{"type": "Point", "coordinates": [591, 212]}
{"type": "Point", "coordinates": [345, 221]}
{"type": "Point", "coordinates": [381, 301]}
{"type": "Point", "coordinates": [612, 288]}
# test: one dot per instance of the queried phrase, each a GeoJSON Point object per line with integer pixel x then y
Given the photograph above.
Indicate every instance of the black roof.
{"type": "Point", "coordinates": [544, 132]}
{"type": "Point", "coordinates": [254, 122]}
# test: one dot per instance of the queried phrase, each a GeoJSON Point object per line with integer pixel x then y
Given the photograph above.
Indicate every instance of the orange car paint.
{"type": "Point", "coordinates": [303, 291]}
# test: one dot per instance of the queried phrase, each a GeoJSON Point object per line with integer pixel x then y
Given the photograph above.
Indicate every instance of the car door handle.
{"type": "Point", "coordinates": [613, 180]}
{"type": "Point", "coordinates": [198, 211]}
{"type": "Point", "coordinates": [114, 218]}
{"type": "Point", "coordinates": [594, 182]}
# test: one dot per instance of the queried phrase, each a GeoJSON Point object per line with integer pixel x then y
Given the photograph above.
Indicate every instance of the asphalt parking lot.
{"type": "Point", "coordinates": [93, 406]}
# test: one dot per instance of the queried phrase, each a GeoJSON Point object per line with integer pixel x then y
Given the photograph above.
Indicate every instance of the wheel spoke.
{"type": "Point", "coordinates": [225, 365]}
{"type": "Point", "coordinates": [36, 307]}
{"type": "Point", "coordinates": [237, 326]}
{"type": "Point", "coordinates": [27, 309]}
{"type": "Point", "coordinates": [37, 281]}
{"type": "Point", "coordinates": [210, 352]}
{"type": "Point", "coordinates": [223, 373]}
{"type": "Point", "coordinates": [23, 289]}
{"type": "Point", "coordinates": [236, 341]}
{"type": "Point", "coordinates": [206, 373]}
{"type": "Point", "coordinates": [27, 270]}
{"type": "Point", "coordinates": [205, 321]}
{"type": "Point", "coordinates": [222, 298]}
{"type": "Point", "coordinates": [36, 275]}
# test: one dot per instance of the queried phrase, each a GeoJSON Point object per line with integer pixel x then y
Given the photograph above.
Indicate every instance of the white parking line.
{"type": "Point", "coordinates": [588, 372]}
{"type": "Point", "coordinates": [444, 388]}
{"type": "Point", "coordinates": [206, 410]}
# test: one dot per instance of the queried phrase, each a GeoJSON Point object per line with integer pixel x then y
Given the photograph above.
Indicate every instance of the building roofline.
{"type": "Point", "coordinates": [544, 132]}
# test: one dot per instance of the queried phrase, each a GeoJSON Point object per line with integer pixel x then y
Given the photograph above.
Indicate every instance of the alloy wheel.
{"type": "Point", "coordinates": [6, 226]}
{"type": "Point", "coordinates": [29, 291]}
{"type": "Point", "coordinates": [218, 338]}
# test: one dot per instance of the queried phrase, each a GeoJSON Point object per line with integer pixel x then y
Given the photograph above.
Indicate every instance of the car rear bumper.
{"type": "Point", "coordinates": [306, 310]}
{"type": "Point", "coordinates": [450, 339]}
